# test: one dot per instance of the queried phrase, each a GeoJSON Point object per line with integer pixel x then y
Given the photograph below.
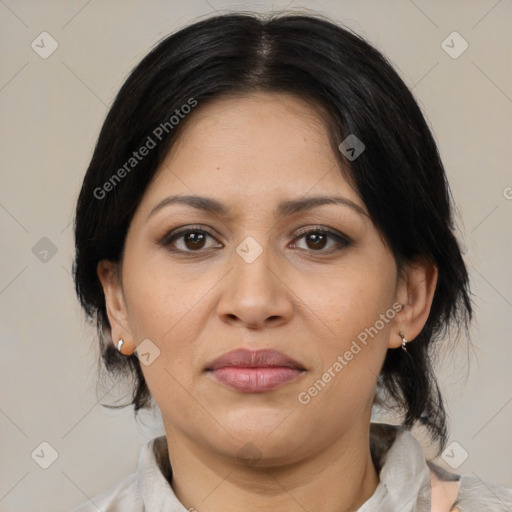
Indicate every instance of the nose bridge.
{"type": "Point", "coordinates": [254, 292]}
{"type": "Point", "coordinates": [253, 265]}
{"type": "Point", "coordinates": [254, 275]}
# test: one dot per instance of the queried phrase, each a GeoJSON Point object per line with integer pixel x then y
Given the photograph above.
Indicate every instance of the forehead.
{"type": "Point", "coordinates": [270, 108]}
{"type": "Point", "coordinates": [255, 146]}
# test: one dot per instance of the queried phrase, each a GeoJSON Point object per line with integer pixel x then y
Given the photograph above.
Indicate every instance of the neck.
{"type": "Point", "coordinates": [339, 478]}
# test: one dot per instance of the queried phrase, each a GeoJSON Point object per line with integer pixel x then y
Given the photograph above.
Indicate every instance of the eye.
{"type": "Point", "coordinates": [194, 239]}
{"type": "Point", "coordinates": [317, 238]}
{"type": "Point", "coordinates": [191, 239]}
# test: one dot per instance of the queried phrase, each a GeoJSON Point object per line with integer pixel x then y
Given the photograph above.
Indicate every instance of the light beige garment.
{"type": "Point", "coordinates": [408, 483]}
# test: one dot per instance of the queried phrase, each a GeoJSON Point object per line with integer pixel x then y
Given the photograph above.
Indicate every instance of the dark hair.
{"type": "Point", "coordinates": [399, 176]}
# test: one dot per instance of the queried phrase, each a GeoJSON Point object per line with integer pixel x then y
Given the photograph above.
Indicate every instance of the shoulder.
{"type": "Point", "coordinates": [398, 455]}
{"type": "Point", "coordinates": [146, 489]}
{"type": "Point", "coordinates": [476, 495]}
{"type": "Point", "coordinates": [123, 496]}
{"type": "Point", "coordinates": [465, 493]}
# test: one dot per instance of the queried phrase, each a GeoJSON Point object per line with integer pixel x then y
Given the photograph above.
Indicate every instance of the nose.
{"type": "Point", "coordinates": [255, 295]}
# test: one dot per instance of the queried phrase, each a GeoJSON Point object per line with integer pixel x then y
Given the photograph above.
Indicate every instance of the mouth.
{"type": "Point", "coordinates": [255, 371]}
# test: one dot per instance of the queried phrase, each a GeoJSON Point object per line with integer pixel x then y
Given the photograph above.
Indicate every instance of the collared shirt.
{"type": "Point", "coordinates": [404, 484]}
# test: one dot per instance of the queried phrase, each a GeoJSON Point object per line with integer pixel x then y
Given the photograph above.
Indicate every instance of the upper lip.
{"type": "Point", "coordinates": [245, 358]}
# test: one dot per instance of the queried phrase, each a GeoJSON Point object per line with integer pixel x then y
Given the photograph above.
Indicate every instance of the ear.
{"type": "Point", "coordinates": [109, 276]}
{"type": "Point", "coordinates": [415, 292]}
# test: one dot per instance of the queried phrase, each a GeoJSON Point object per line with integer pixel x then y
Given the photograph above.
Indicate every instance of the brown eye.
{"type": "Point", "coordinates": [188, 240]}
{"type": "Point", "coordinates": [194, 240]}
{"type": "Point", "coordinates": [318, 239]}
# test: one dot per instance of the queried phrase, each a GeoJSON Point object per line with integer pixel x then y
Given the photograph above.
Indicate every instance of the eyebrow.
{"type": "Point", "coordinates": [284, 208]}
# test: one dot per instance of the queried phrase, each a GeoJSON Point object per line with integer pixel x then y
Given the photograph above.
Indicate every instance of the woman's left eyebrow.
{"type": "Point", "coordinates": [284, 208]}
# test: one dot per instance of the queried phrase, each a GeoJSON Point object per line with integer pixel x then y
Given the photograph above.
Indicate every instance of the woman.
{"type": "Point", "coordinates": [264, 237]}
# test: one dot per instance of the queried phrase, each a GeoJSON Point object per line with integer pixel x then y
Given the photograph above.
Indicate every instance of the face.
{"type": "Point", "coordinates": [315, 283]}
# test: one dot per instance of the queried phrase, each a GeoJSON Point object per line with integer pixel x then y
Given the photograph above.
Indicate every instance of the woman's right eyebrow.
{"type": "Point", "coordinates": [285, 208]}
{"type": "Point", "coordinates": [206, 204]}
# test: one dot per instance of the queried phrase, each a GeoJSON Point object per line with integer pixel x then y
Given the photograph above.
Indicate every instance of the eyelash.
{"type": "Point", "coordinates": [342, 242]}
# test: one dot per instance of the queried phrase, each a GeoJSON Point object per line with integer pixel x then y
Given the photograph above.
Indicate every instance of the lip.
{"type": "Point", "coordinates": [255, 371]}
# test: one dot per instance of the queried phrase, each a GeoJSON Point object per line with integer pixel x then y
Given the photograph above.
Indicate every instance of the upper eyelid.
{"type": "Point", "coordinates": [181, 231]}
{"type": "Point", "coordinates": [298, 231]}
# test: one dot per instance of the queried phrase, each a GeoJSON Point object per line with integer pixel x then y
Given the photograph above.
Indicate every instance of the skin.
{"type": "Point", "coordinates": [306, 298]}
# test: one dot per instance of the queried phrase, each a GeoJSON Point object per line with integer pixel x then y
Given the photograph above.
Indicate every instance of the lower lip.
{"type": "Point", "coordinates": [256, 380]}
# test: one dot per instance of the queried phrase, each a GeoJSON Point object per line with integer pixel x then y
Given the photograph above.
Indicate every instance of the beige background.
{"type": "Point", "coordinates": [52, 110]}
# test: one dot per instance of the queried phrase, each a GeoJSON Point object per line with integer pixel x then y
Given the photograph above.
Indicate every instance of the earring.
{"type": "Point", "coordinates": [120, 344]}
{"type": "Point", "coordinates": [404, 341]}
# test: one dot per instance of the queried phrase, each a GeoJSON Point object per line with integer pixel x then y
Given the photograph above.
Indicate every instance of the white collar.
{"type": "Point", "coordinates": [404, 479]}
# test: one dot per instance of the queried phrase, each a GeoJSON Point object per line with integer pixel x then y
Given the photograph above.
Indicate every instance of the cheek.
{"type": "Point", "coordinates": [159, 297]}
{"type": "Point", "coordinates": [359, 315]}
{"type": "Point", "coordinates": [343, 387]}
{"type": "Point", "coordinates": [170, 308]}
{"type": "Point", "coordinates": [353, 301]}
